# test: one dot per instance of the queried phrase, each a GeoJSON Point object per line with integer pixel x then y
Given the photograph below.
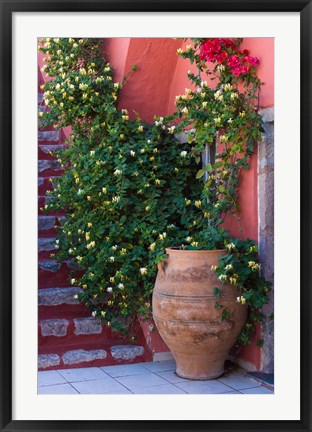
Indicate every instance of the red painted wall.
{"type": "Point", "coordinates": [160, 76]}
{"type": "Point", "coordinates": [146, 90]}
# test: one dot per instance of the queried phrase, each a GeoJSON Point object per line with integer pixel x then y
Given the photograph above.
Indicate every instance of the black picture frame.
{"type": "Point", "coordinates": [7, 9]}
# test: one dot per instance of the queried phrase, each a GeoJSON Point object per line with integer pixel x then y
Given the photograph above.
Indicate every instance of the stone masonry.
{"type": "Point", "coordinates": [266, 230]}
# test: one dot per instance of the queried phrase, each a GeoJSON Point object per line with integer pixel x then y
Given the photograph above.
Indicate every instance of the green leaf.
{"type": "Point", "coordinates": [218, 164]}
{"type": "Point", "coordinates": [225, 314]}
{"type": "Point", "coordinates": [208, 168]}
{"type": "Point", "coordinates": [217, 292]}
{"type": "Point", "coordinates": [200, 173]}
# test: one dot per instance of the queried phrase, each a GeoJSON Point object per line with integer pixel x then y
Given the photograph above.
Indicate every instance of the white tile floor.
{"type": "Point", "coordinates": [143, 378]}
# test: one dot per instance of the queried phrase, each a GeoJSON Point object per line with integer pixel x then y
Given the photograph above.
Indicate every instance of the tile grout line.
{"type": "Point", "coordinates": [187, 381]}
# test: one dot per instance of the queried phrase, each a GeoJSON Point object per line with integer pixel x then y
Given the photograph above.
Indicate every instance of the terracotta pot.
{"type": "Point", "coordinates": [186, 317]}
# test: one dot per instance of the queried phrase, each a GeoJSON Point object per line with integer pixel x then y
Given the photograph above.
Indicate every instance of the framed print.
{"type": "Point", "coordinates": [133, 135]}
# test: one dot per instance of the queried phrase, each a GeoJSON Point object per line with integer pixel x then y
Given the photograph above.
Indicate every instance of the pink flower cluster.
{"type": "Point", "coordinates": [224, 51]}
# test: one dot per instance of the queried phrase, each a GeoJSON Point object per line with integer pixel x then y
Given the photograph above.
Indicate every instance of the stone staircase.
{"type": "Point", "coordinates": [68, 336]}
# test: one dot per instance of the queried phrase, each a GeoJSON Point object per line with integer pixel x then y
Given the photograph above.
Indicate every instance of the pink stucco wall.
{"type": "Point", "coordinates": [147, 89]}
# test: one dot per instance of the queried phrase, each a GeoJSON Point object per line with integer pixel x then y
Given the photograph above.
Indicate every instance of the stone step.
{"type": "Point", "coordinates": [47, 244]}
{"type": "Point", "coordinates": [51, 166]}
{"type": "Point", "coordinates": [47, 224]}
{"type": "Point", "coordinates": [58, 296]}
{"type": "Point", "coordinates": [65, 327]}
{"type": "Point", "coordinates": [103, 355]}
{"type": "Point", "coordinates": [48, 137]}
{"type": "Point", "coordinates": [46, 151]}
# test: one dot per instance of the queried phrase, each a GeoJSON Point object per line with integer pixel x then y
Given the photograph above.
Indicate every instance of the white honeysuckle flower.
{"type": "Point", "coordinates": [94, 314]}
{"type": "Point", "coordinates": [132, 153]}
{"type": "Point", "coordinates": [217, 94]}
{"type": "Point", "coordinates": [109, 289]}
{"type": "Point", "coordinates": [162, 236]}
{"type": "Point", "coordinates": [183, 153]}
{"type": "Point", "coordinates": [114, 247]}
{"type": "Point", "coordinates": [120, 285]}
{"type": "Point", "coordinates": [91, 245]}
{"type": "Point", "coordinates": [143, 270]}
{"type": "Point", "coordinates": [171, 129]}
{"type": "Point", "coordinates": [111, 259]}
{"type": "Point", "coordinates": [230, 246]}
{"type": "Point", "coordinates": [117, 172]}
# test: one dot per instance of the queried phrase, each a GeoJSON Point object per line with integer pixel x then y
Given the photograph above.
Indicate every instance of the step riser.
{"type": "Point", "coordinates": [47, 233]}
{"type": "Point", "coordinates": [44, 185]}
{"type": "Point", "coordinates": [109, 360]}
{"type": "Point", "coordinates": [75, 341]}
{"type": "Point", "coordinates": [50, 279]}
{"type": "Point", "coordinates": [63, 311]}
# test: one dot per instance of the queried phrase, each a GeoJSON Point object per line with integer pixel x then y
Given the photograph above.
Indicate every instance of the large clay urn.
{"type": "Point", "coordinates": [186, 317]}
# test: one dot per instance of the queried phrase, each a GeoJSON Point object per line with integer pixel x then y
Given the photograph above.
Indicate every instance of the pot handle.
{"type": "Point", "coordinates": [162, 266]}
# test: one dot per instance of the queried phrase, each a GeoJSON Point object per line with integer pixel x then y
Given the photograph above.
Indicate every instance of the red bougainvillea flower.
{"type": "Point", "coordinates": [233, 61]}
{"type": "Point", "coordinates": [224, 51]}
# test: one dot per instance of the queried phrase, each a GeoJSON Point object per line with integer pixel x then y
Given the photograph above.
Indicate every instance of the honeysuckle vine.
{"type": "Point", "coordinates": [128, 188]}
{"type": "Point", "coordinates": [131, 189]}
